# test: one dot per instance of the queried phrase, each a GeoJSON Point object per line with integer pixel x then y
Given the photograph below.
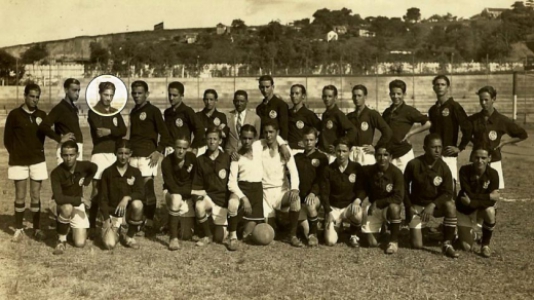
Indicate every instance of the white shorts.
{"type": "Point", "coordinates": [452, 163]}
{"type": "Point", "coordinates": [296, 151]}
{"type": "Point", "coordinates": [272, 201]}
{"type": "Point", "coordinates": [374, 222]}
{"type": "Point", "coordinates": [141, 163]}
{"type": "Point", "coordinates": [187, 209]}
{"type": "Point", "coordinates": [58, 153]}
{"type": "Point", "coordinates": [36, 172]}
{"type": "Point", "coordinates": [340, 215]}
{"type": "Point", "coordinates": [217, 213]}
{"type": "Point", "coordinates": [103, 161]}
{"type": "Point", "coordinates": [497, 165]}
{"type": "Point", "coordinates": [358, 155]}
{"type": "Point", "coordinates": [79, 218]}
{"type": "Point", "coordinates": [416, 222]}
{"type": "Point", "coordinates": [402, 161]}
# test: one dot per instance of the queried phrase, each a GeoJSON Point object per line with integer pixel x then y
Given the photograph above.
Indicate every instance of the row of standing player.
{"type": "Point", "coordinates": [180, 119]}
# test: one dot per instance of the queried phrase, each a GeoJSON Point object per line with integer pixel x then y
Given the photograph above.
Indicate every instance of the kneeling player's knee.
{"type": "Point", "coordinates": [450, 209]}
{"type": "Point", "coordinates": [233, 206]}
{"type": "Point", "coordinates": [312, 210]}
{"type": "Point", "coordinates": [294, 205]}
{"type": "Point", "coordinates": [489, 214]}
{"type": "Point", "coordinates": [394, 211]}
{"type": "Point", "coordinates": [200, 208]}
{"type": "Point", "coordinates": [136, 206]}
{"type": "Point", "coordinates": [65, 210]}
{"type": "Point", "coordinates": [175, 202]}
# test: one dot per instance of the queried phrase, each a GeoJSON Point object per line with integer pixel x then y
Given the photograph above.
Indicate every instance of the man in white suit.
{"type": "Point", "coordinates": [239, 117]}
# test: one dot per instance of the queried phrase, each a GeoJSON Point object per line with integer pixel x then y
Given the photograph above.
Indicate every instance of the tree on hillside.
{"type": "Point", "coordinates": [519, 6]}
{"type": "Point", "coordinates": [413, 15]}
{"type": "Point", "coordinates": [238, 25]}
{"type": "Point", "coordinates": [8, 64]}
{"type": "Point", "coordinates": [35, 53]}
{"type": "Point", "coordinates": [304, 22]}
{"type": "Point", "coordinates": [272, 32]}
{"type": "Point", "coordinates": [99, 55]}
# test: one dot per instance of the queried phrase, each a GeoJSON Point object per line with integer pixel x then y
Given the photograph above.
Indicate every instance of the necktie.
{"type": "Point", "coordinates": [239, 123]}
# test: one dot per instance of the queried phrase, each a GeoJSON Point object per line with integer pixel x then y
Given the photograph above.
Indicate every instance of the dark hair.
{"type": "Point", "coordinates": [70, 144]}
{"type": "Point", "coordinates": [302, 88]}
{"type": "Point", "coordinates": [211, 91]}
{"type": "Point", "coordinates": [139, 83]}
{"type": "Point", "coordinates": [343, 141]}
{"type": "Point", "coordinates": [31, 87]}
{"type": "Point", "coordinates": [311, 130]}
{"type": "Point", "coordinates": [488, 89]}
{"type": "Point", "coordinates": [106, 85]}
{"type": "Point", "coordinates": [360, 87]}
{"type": "Point", "coordinates": [441, 77]}
{"type": "Point", "coordinates": [70, 81]}
{"type": "Point", "coordinates": [266, 78]}
{"type": "Point", "coordinates": [481, 146]}
{"type": "Point", "coordinates": [123, 143]}
{"type": "Point", "coordinates": [386, 146]}
{"type": "Point", "coordinates": [241, 93]}
{"type": "Point", "coordinates": [398, 84]}
{"type": "Point", "coordinates": [332, 88]}
{"type": "Point", "coordinates": [271, 123]}
{"type": "Point", "coordinates": [177, 85]}
{"type": "Point", "coordinates": [181, 137]}
{"type": "Point", "coordinates": [431, 137]}
{"type": "Point", "coordinates": [214, 129]}
{"type": "Point", "coordinates": [248, 128]}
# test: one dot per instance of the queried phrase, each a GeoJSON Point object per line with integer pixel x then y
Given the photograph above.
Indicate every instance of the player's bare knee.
{"type": "Point", "coordinates": [489, 214]}
{"type": "Point", "coordinates": [450, 209]}
{"type": "Point", "coordinates": [200, 208]}
{"type": "Point", "coordinates": [312, 211]}
{"type": "Point", "coordinates": [294, 205]}
{"type": "Point", "coordinates": [233, 206]}
{"type": "Point", "coordinates": [394, 211]}
{"type": "Point", "coordinates": [65, 210]}
{"type": "Point", "coordinates": [136, 206]}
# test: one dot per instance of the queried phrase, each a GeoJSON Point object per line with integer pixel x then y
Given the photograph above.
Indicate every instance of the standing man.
{"type": "Point", "coordinates": [401, 117]}
{"type": "Point", "coordinates": [429, 194]}
{"type": "Point", "coordinates": [146, 125]}
{"type": "Point", "coordinates": [211, 117]}
{"type": "Point", "coordinates": [335, 124]}
{"type": "Point", "coordinates": [237, 119]}
{"type": "Point", "coordinates": [272, 108]}
{"type": "Point", "coordinates": [447, 117]}
{"type": "Point", "coordinates": [301, 119]}
{"type": "Point", "coordinates": [181, 119]}
{"type": "Point", "coordinates": [24, 144]}
{"type": "Point", "coordinates": [366, 120]}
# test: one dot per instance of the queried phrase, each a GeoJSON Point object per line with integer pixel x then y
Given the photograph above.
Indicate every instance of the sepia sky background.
{"type": "Point", "coordinates": [28, 21]}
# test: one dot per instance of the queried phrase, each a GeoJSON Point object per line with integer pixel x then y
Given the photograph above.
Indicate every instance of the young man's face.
{"type": "Point", "coordinates": [213, 140]}
{"type": "Point", "coordinates": [480, 159]}
{"type": "Point", "coordinates": [247, 138]}
{"type": "Point", "coordinates": [434, 148]}
{"type": "Point", "coordinates": [270, 134]}
{"type": "Point", "coordinates": [358, 98]}
{"type": "Point", "coordinates": [266, 88]}
{"type": "Point", "coordinates": [69, 156]}
{"type": "Point", "coordinates": [296, 95]}
{"type": "Point", "coordinates": [396, 95]}
{"type": "Point", "coordinates": [174, 97]}
{"type": "Point", "coordinates": [73, 92]}
{"type": "Point", "coordinates": [210, 102]}
{"type": "Point", "coordinates": [309, 140]}
{"type": "Point", "coordinates": [240, 103]}
{"type": "Point", "coordinates": [328, 98]}
{"type": "Point", "coordinates": [106, 97]}
{"type": "Point", "coordinates": [139, 95]}
{"type": "Point", "coordinates": [440, 87]}
{"type": "Point", "coordinates": [180, 148]}
{"type": "Point", "coordinates": [383, 158]}
{"type": "Point", "coordinates": [32, 99]}
{"type": "Point", "coordinates": [123, 155]}
{"type": "Point", "coordinates": [486, 102]}
{"type": "Point", "coordinates": [342, 153]}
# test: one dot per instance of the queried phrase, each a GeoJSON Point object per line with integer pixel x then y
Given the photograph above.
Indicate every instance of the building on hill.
{"type": "Point", "coordinates": [331, 36]}
{"type": "Point", "coordinates": [363, 32]}
{"type": "Point", "coordinates": [340, 29]}
{"type": "Point", "coordinates": [222, 29]}
{"type": "Point", "coordinates": [492, 13]}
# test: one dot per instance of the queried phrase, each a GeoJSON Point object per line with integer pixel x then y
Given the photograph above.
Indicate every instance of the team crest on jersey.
{"type": "Point", "coordinates": [189, 168]}
{"type": "Point", "coordinates": [352, 178]}
{"type": "Point", "coordinates": [142, 116]}
{"type": "Point", "coordinates": [222, 174]}
{"type": "Point", "coordinates": [389, 188]}
{"type": "Point", "coordinates": [492, 135]}
{"type": "Point", "coordinates": [438, 180]}
{"type": "Point", "coordinates": [216, 121]}
{"type": "Point", "coordinates": [364, 126]}
{"type": "Point", "coordinates": [38, 120]}
{"type": "Point", "coordinates": [300, 124]}
{"type": "Point", "coordinates": [445, 112]}
{"type": "Point", "coordinates": [486, 184]}
{"type": "Point", "coordinates": [80, 182]}
{"type": "Point", "coordinates": [179, 122]}
{"type": "Point", "coordinates": [130, 181]}
{"type": "Point", "coordinates": [316, 162]}
{"type": "Point", "coordinates": [273, 114]}
{"type": "Point", "coordinates": [329, 124]}
{"type": "Point", "coordinates": [115, 122]}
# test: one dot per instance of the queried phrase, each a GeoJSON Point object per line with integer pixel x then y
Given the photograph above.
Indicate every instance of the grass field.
{"type": "Point", "coordinates": [30, 271]}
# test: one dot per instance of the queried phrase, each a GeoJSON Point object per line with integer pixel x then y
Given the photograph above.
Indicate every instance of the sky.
{"type": "Point", "coordinates": [29, 21]}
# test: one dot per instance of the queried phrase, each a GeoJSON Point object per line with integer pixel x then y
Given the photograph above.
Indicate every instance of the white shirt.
{"type": "Point", "coordinates": [246, 169]}
{"type": "Point", "coordinates": [274, 171]}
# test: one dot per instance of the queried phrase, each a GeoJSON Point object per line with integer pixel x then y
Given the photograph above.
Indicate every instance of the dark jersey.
{"type": "Point", "coordinates": [115, 186]}
{"type": "Point", "coordinates": [182, 121]}
{"type": "Point", "coordinates": [178, 179]}
{"type": "Point", "coordinates": [146, 125]}
{"type": "Point", "coordinates": [217, 119]}
{"type": "Point", "coordinates": [382, 188]}
{"type": "Point", "coordinates": [64, 117]}
{"type": "Point", "coordinates": [446, 119]}
{"type": "Point", "coordinates": [106, 144]}
{"type": "Point", "coordinates": [477, 188]}
{"type": "Point", "coordinates": [400, 121]}
{"type": "Point", "coordinates": [335, 125]}
{"type": "Point", "coordinates": [274, 110]}
{"type": "Point", "coordinates": [22, 138]}
{"type": "Point", "coordinates": [425, 184]}
{"type": "Point", "coordinates": [366, 123]}
{"type": "Point", "coordinates": [310, 168]}
{"type": "Point", "coordinates": [212, 177]}
{"type": "Point", "coordinates": [67, 187]}
{"type": "Point", "coordinates": [339, 189]}
{"type": "Point", "coordinates": [299, 122]}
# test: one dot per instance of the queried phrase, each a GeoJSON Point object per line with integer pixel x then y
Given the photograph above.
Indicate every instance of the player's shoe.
{"type": "Point", "coordinates": [39, 235]}
{"type": "Point", "coordinates": [449, 251]}
{"type": "Point", "coordinates": [312, 240]}
{"type": "Point", "coordinates": [18, 236]}
{"type": "Point", "coordinates": [204, 241]}
{"type": "Point", "coordinates": [60, 248]}
{"type": "Point", "coordinates": [130, 242]}
{"type": "Point", "coordinates": [174, 244]}
{"type": "Point", "coordinates": [485, 251]}
{"type": "Point", "coordinates": [392, 248]}
{"type": "Point", "coordinates": [232, 244]}
{"type": "Point", "coordinates": [295, 242]}
{"type": "Point", "coordinates": [354, 241]}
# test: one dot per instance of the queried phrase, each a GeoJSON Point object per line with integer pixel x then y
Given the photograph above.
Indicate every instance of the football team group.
{"type": "Point", "coordinates": [230, 172]}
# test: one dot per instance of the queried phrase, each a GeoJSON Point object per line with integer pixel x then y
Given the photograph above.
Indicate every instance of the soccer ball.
{"type": "Point", "coordinates": [263, 234]}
